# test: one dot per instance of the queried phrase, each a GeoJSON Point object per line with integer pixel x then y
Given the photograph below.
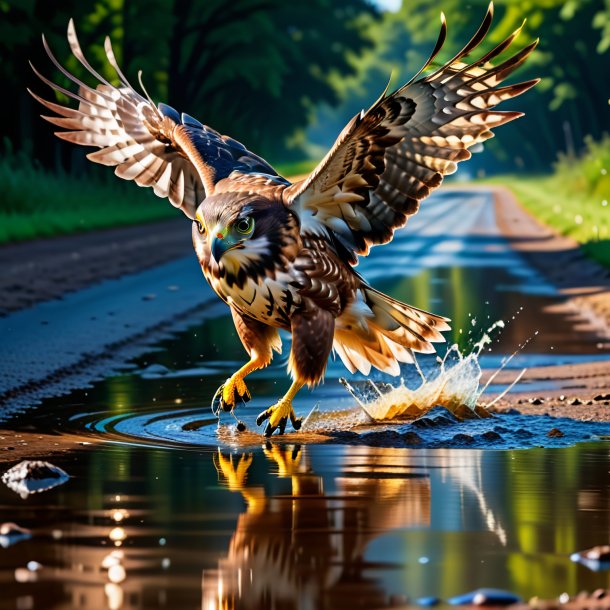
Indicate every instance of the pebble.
{"type": "Point", "coordinates": [463, 439]}
{"type": "Point", "coordinates": [536, 401]}
{"type": "Point", "coordinates": [555, 433]}
{"type": "Point", "coordinates": [596, 558]}
{"type": "Point", "coordinates": [485, 597]}
{"type": "Point", "coordinates": [428, 602]}
{"type": "Point", "coordinates": [601, 397]}
{"type": "Point", "coordinates": [33, 476]}
{"type": "Point", "coordinates": [11, 533]}
{"type": "Point", "coordinates": [412, 438]}
{"type": "Point", "coordinates": [398, 600]}
{"type": "Point", "coordinates": [575, 401]}
{"type": "Point", "coordinates": [155, 370]}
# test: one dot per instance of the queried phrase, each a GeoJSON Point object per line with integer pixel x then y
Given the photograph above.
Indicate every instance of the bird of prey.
{"type": "Point", "coordinates": [282, 255]}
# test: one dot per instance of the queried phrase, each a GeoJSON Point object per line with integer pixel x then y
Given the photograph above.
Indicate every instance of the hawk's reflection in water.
{"type": "Point", "coordinates": [306, 549]}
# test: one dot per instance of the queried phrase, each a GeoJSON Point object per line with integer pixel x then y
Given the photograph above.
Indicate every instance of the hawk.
{"type": "Point", "coordinates": [282, 254]}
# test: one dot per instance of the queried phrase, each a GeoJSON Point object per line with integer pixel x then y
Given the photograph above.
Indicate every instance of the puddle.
{"type": "Point", "coordinates": [315, 527]}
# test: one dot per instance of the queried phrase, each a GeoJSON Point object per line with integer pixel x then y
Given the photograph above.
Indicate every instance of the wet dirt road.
{"type": "Point", "coordinates": [127, 367]}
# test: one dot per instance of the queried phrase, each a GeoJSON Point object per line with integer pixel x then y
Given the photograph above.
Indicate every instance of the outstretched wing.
{"type": "Point", "coordinates": [389, 158]}
{"type": "Point", "coordinates": [155, 146]}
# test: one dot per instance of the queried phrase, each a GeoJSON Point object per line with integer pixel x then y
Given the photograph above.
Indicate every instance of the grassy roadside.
{"type": "Point", "coordinates": [37, 203]}
{"type": "Point", "coordinates": [574, 200]}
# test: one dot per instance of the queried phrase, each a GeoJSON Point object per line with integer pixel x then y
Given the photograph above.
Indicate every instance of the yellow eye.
{"type": "Point", "coordinates": [245, 225]}
{"type": "Point", "coordinates": [200, 227]}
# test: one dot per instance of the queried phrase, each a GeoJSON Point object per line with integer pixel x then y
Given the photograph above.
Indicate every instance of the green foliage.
{"type": "Point", "coordinates": [588, 174]}
{"type": "Point", "coordinates": [571, 102]}
{"type": "Point", "coordinates": [38, 203]}
{"type": "Point", "coordinates": [251, 68]}
{"type": "Point", "coordinates": [575, 200]}
{"type": "Point", "coordinates": [296, 168]}
{"type": "Point", "coordinates": [573, 60]}
{"type": "Point", "coordinates": [263, 70]}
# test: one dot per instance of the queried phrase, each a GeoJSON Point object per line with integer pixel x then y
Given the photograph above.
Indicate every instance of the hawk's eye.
{"type": "Point", "coordinates": [200, 227]}
{"type": "Point", "coordinates": [245, 225]}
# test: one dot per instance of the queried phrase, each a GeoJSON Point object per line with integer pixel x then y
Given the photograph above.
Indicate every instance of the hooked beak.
{"type": "Point", "coordinates": [221, 242]}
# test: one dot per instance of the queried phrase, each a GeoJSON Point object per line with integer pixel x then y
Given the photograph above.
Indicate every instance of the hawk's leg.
{"type": "Point", "coordinates": [259, 340]}
{"type": "Point", "coordinates": [312, 340]}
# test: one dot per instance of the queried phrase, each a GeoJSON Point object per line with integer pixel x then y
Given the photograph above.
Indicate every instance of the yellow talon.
{"type": "Point", "coordinates": [279, 413]}
{"type": "Point", "coordinates": [230, 392]}
{"type": "Point", "coordinates": [235, 385]}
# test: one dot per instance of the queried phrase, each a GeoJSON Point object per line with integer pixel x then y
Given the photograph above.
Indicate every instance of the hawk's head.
{"type": "Point", "coordinates": [239, 233]}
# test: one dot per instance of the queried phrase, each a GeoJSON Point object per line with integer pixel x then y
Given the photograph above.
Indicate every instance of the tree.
{"type": "Point", "coordinates": [573, 59]}
{"type": "Point", "coordinates": [251, 68]}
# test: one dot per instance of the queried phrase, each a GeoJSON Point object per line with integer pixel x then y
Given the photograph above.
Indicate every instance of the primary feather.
{"type": "Point", "coordinates": [389, 158]}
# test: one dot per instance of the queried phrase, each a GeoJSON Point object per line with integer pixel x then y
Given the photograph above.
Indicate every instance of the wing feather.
{"type": "Point", "coordinates": [389, 158]}
{"type": "Point", "coordinates": [176, 155]}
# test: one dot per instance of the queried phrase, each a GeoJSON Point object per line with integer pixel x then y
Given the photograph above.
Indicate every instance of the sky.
{"type": "Point", "coordinates": [388, 5]}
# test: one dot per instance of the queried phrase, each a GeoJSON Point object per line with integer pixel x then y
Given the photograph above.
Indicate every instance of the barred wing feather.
{"type": "Point", "coordinates": [395, 154]}
{"type": "Point", "coordinates": [155, 146]}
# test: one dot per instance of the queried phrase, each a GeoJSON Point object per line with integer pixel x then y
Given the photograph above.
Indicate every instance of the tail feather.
{"type": "Point", "coordinates": [377, 330]}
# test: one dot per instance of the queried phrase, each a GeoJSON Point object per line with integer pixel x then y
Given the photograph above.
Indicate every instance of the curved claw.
{"type": "Point", "coordinates": [229, 394]}
{"type": "Point", "coordinates": [278, 415]}
{"type": "Point", "coordinates": [296, 422]}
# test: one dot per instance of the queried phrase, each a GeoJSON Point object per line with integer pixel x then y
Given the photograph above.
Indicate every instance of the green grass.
{"type": "Point", "coordinates": [36, 203]}
{"type": "Point", "coordinates": [574, 200]}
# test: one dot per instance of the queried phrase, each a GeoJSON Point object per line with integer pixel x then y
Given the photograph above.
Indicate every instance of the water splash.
{"type": "Point", "coordinates": [455, 385]}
